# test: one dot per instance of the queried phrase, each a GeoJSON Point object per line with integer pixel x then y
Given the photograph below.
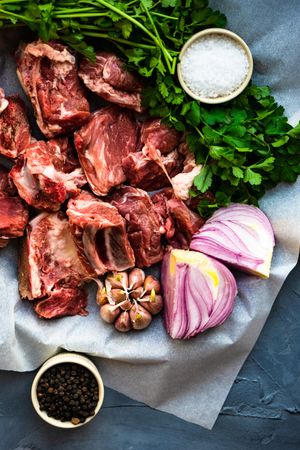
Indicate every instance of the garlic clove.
{"type": "Point", "coordinates": [126, 305]}
{"type": "Point", "coordinates": [123, 323]}
{"type": "Point", "coordinates": [118, 295]}
{"type": "Point", "coordinates": [153, 305]}
{"type": "Point", "coordinates": [136, 278]}
{"type": "Point", "coordinates": [140, 317]}
{"type": "Point", "coordinates": [151, 283]}
{"type": "Point", "coordinates": [137, 293]}
{"type": "Point", "coordinates": [109, 313]}
{"type": "Point", "coordinates": [118, 280]}
{"type": "Point", "coordinates": [101, 297]}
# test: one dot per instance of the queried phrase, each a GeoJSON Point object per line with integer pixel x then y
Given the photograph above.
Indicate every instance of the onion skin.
{"type": "Point", "coordinates": [199, 293]}
{"type": "Point", "coordinates": [239, 235]}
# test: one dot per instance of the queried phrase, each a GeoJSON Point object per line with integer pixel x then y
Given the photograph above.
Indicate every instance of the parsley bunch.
{"type": "Point", "coordinates": [246, 146]}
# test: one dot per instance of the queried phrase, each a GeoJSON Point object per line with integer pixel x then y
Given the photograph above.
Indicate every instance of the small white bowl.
{"type": "Point", "coordinates": [73, 358]}
{"type": "Point", "coordinates": [211, 32]}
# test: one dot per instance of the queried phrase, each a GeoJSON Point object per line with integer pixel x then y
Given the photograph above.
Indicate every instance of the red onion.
{"type": "Point", "coordinates": [199, 293]}
{"type": "Point", "coordinates": [240, 235]}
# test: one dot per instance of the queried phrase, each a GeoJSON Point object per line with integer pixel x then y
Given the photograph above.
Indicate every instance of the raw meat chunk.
{"type": "Point", "coordinates": [51, 266]}
{"type": "Point", "coordinates": [48, 74]}
{"type": "Point", "coordinates": [63, 302]}
{"type": "Point", "coordinates": [100, 233]}
{"type": "Point", "coordinates": [144, 172]}
{"type": "Point", "coordinates": [109, 78]}
{"type": "Point", "coordinates": [144, 226]}
{"type": "Point", "coordinates": [102, 144]}
{"type": "Point", "coordinates": [13, 213]}
{"type": "Point", "coordinates": [159, 136]}
{"type": "Point", "coordinates": [180, 222]}
{"type": "Point", "coordinates": [14, 128]}
{"type": "Point", "coordinates": [47, 173]}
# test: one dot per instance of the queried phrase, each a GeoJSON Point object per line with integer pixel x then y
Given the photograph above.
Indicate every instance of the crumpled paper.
{"type": "Point", "coordinates": [190, 379]}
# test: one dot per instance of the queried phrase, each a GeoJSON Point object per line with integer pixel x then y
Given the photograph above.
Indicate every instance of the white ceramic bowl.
{"type": "Point", "coordinates": [73, 358]}
{"type": "Point", "coordinates": [211, 32]}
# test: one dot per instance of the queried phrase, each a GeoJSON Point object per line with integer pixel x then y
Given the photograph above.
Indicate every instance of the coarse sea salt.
{"type": "Point", "coordinates": [214, 66]}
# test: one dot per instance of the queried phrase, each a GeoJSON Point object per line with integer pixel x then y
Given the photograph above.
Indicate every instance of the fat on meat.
{"type": "Point", "coordinates": [13, 212]}
{"type": "Point", "coordinates": [48, 74]}
{"type": "Point", "coordinates": [100, 232]}
{"type": "Point", "coordinates": [52, 269]}
{"type": "Point", "coordinates": [183, 181]}
{"type": "Point", "coordinates": [102, 144]}
{"type": "Point", "coordinates": [143, 172]}
{"type": "Point", "coordinates": [47, 173]}
{"type": "Point", "coordinates": [15, 133]}
{"type": "Point", "coordinates": [3, 101]}
{"type": "Point", "coordinates": [180, 222]}
{"type": "Point", "coordinates": [144, 225]}
{"type": "Point", "coordinates": [109, 78]}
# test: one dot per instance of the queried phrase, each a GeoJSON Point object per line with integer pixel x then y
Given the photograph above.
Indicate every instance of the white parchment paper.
{"type": "Point", "coordinates": [189, 379]}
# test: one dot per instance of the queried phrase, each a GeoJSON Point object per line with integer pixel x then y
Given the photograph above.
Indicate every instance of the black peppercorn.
{"type": "Point", "coordinates": [81, 388]}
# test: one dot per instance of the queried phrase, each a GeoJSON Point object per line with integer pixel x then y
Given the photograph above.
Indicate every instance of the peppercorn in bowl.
{"type": "Point", "coordinates": [67, 391]}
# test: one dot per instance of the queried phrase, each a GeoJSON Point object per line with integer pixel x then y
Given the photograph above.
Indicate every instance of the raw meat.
{"type": "Point", "coordinates": [14, 128]}
{"type": "Point", "coordinates": [48, 74]}
{"type": "Point", "coordinates": [180, 222]}
{"type": "Point", "coordinates": [157, 135]}
{"type": "Point", "coordinates": [99, 231]}
{"type": "Point", "coordinates": [47, 173]}
{"type": "Point", "coordinates": [144, 226]}
{"type": "Point", "coordinates": [109, 78]}
{"type": "Point", "coordinates": [63, 302]}
{"type": "Point", "coordinates": [102, 144]}
{"type": "Point", "coordinates": [52, 266]}
{"type": "Point", "coordinates": [13, 213]}
{"type": "Point", "coordinates": [144, 172]}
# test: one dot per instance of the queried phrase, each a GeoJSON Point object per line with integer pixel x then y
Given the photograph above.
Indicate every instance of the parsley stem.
{"type": "Point", "coordinates": [9, 14]}
{"type": "Point", "coordinates": [122, 41]}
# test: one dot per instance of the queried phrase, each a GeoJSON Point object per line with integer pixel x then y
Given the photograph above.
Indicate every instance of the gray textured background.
{"type": "Point", "coordinates": [262, 409]}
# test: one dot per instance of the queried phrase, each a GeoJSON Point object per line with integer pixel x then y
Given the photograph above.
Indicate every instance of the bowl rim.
{"type": "Point", "coordinates": [243, 85]}
{"type": "Point", "coordinates": [61, 358]}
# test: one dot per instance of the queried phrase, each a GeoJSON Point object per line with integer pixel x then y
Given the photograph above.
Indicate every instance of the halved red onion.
{"type": "Point", "coordinates": [199, 293]}
{"type": "Point", "coordinates": [240, 235]}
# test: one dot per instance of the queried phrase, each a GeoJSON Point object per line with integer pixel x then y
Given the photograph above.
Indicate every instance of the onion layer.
{"type": "Point", "coordinates": [240, 235]}
{"type": "Point", "coordinates": [199, 293]}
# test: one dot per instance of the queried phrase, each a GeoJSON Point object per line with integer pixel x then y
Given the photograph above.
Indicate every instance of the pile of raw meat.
{"type": "Point", "coordinates": [86, 187]}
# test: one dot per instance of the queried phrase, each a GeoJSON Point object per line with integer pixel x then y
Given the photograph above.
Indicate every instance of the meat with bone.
{"type": "Point", "coordinates": [100, 232]}
{"type": "Point", "coordinates": [102, 144]}
{"type": "Point", "coordinates": [157, 135]}
{"type": "Point", "coordinates": [15, 133]}
{"type": "Point", "coordinates": [109, 78]}
{"type": "Point", "coordinates": [48, 74]}
{"type": "Point", "coordinates": [13, 213]}
{"type": "Point", "coordinates": [144, 225]}
{"type": "Point", "coordinates": [47, 173]}
{"type": "Point", "coordinates": [182, 182]}
{"type": "Point", "coordinates": [143, 172]}
{"type": "Point", "coordinates": [52, 268]}
{"type": "Point", "coordinates": [180, 222]}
